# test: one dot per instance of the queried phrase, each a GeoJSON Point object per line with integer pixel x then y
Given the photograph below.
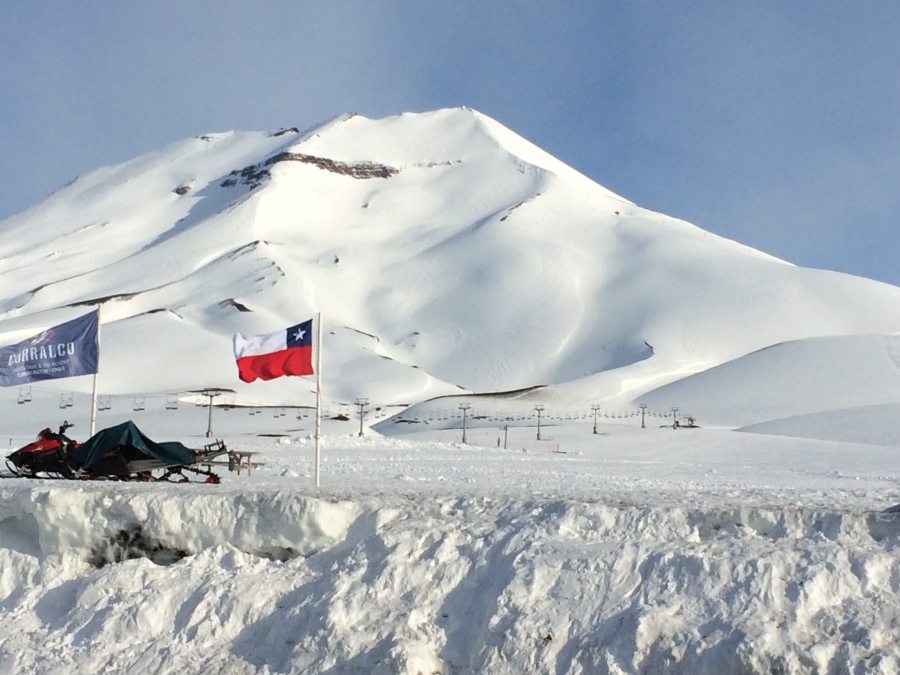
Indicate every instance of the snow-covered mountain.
{"type": "Point", "coordinates": [446, 254]}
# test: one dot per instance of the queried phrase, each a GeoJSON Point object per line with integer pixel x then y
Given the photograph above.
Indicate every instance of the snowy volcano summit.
{"type": "Point", "coordinates": [447, 255]}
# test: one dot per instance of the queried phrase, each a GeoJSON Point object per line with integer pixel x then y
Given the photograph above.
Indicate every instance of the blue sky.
{"type": "Point", "coordinates": [774, 123]}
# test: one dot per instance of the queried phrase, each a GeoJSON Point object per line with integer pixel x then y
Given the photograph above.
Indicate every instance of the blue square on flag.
{"type": "Point", "coordinates": [300, 335]}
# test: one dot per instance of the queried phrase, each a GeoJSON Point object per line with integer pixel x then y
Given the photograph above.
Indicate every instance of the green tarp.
{"type": "Point", "coordinates": [127, 435]}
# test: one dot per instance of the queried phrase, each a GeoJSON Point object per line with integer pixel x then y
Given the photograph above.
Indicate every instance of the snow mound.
{"type": "Point", "coordinates": [283, 582]}
{"type": "Point", "coordinates": [816, 378]}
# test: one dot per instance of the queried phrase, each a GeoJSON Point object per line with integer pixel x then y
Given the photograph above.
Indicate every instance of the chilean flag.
{"type": "Point", "coordinates": [271, 355]}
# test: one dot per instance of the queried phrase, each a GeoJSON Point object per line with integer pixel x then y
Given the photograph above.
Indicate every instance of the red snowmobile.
{"type": "Point", "coordinates": [49, 455]}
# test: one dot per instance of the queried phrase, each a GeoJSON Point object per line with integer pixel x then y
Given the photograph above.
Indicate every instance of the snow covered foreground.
{"type": "Point", "coordinates": [629, 551]}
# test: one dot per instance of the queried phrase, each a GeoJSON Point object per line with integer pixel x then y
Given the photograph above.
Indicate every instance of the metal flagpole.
{"type": "Point", "coordinates": [96, 377]}
{"type": "Point", "coordinates": [318, 390]}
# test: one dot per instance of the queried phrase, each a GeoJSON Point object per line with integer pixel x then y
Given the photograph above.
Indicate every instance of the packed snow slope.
{"type": "Point", "coordinates": [446, 254]}
{"type": "Point", "coordinates": [816, 376]}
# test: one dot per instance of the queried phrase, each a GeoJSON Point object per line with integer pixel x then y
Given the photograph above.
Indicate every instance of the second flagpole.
{"type": "Point", "coordinates": [318, 390]}
{"type": "Point", "coordinates": [96, 376]}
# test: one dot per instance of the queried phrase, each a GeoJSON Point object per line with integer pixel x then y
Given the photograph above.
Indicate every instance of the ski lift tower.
{"type": "Point", "coordinates": [465, 408]}
{"type": "Point", "coordinates": [361, 404]}
{"type": "Point", "coordinates": [211, 393]}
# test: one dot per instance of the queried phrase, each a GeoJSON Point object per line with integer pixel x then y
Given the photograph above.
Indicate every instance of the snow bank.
{"type": "Point", "coordinates": [69, 520]}
{"type": "Point", "coordinates": [284, 581]}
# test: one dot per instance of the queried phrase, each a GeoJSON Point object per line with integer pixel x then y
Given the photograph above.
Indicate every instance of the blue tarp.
{"type": "Point", "coordinates": [127, 435]}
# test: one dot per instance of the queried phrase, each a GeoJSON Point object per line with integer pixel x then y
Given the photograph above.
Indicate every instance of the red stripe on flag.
{"type": "Point", "coordinates": [294, 361]}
